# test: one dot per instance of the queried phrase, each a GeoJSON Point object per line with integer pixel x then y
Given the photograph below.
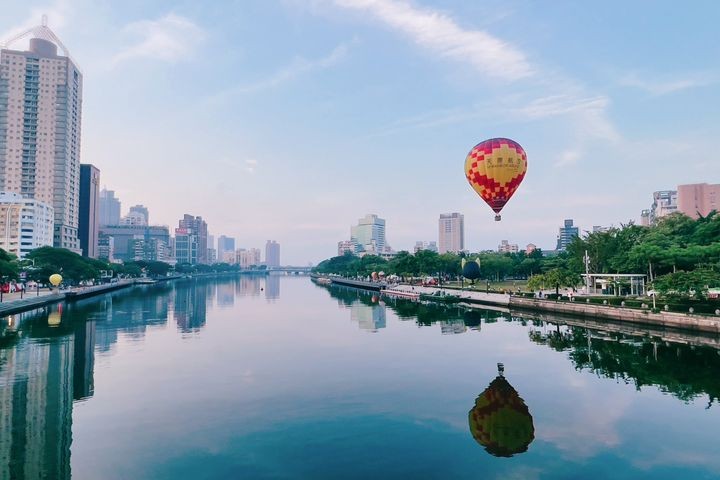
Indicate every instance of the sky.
{"type": "Point", "coordinates": [291, 119]}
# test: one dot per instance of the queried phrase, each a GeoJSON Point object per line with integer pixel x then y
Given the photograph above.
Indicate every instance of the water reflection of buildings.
{"type": "Point", "coordinates": [272, 287]}
{"type": "Point", "coordinates": [368, 317]}
{"type": "Point", "coordinates": [248, 286]}
{"type": "Point", "coordinates": [190, 306]}
{"type": "Point", "coordinates": [36, 396]}
{"type": "Point", "coordinates": [226, 294]}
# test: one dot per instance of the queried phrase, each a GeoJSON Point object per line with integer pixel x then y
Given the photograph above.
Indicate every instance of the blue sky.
{"type": "Point", "coordinates": [291, 119]}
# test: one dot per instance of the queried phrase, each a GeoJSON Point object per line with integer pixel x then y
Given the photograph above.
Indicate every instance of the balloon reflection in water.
{"type": "Point", "coordinates": [55, 317]}
{"type": "Point", "coordinates": [500, 421]}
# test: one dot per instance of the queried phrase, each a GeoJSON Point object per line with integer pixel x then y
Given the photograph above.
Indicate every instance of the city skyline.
{"type": "Point", "coordinates": [601, 134]}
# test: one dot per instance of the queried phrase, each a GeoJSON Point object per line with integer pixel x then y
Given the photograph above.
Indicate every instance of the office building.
{"type": "Point", "coordinates": [566, 234]}
{"type": "Point", "coordinates": [186, 246]}
{"type": "Point", "coordinates": [106, 247]}
{"type": "Point", "coordinates": [109, 208]}
{"type": "Point", "coordinates": [451, 233]}
{"type": "Point", "coordinates": [226, 249]}
{"type": "Point", "coordinates": [41, 110]}
{"type": "Point", "coordinates": [89, 220]}
{"type": "Point", "coordinates": [369, 234]}
{"type": "Point", "coordinates": [272, 254]}
{"type": "Point", "coordinates": [664, 204]}
{"type": "Point", "coordinates": [698, 199]}
{"type": "Point", "coordinates": [346, 246]}
{"type": "Point", "coordinates": [123, 247]}
{"type": "Point", "coordinates": [211, 251]}
{"type": "Point", "coordinates": [142, 210]}
{"type": "Point", "coordinates": [196, 227]}
{"type": "Point", "coordinates": [507, 247]}
{"type": "Point", "coordinates": [26, 224]}
{"type": "Point", "coordinates": [133, 218]}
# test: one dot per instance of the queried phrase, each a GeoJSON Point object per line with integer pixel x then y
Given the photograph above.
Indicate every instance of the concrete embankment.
{"type": "Point", "coordinates": [661, 319]}
{"type": "Point", "coordinates": [31, 302]}
{"type": "Point", "coordinates": [374, 286]}
{"type": "Point", "coordinates": [618, 314]}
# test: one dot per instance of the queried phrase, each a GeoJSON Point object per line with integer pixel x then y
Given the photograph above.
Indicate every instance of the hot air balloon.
{"type": "Point", "coordinates": [500, 420]}
{"type": "Point", "coordinates": [495, 168]}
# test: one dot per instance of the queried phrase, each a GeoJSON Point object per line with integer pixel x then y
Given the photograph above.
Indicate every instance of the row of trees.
{"type": "Point", "coordinates": [679, 255]}
{"type": "Point", "coordinates": [42, 262]}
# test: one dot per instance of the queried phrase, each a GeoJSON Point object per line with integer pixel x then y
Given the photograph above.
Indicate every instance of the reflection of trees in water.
{"type": "Point", "coordinates": [684, 371]}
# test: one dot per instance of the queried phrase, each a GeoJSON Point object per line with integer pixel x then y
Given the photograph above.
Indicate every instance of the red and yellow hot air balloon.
{"type": "Point", "coordinates": [495, 168]}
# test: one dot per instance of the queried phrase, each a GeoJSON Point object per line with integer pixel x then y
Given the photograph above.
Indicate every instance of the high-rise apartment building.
{"type": "Point", "coordinates": [451, 233]}
{"type": "Point", "coordinates": [369, 234]}
{"type": "Point", "coordinates": [698, 199]}
{"type": "Point", "coordinates": [26, 224]}
{"type": "Point", "coordinates": [272, 254]}
{"type": "Point", "coordinates": [89, 216]}
{"type": "Point", "coordinates": [196, 226]}
{"type": "Point", "coordinates": [40, 117]}
{"type": "Point", "coordinates": [109, 208]}
{"type": "Point", "coordinates": [211, 250]}
{"type": "Point", "coordinates": [247, 258]}
{"type": "Point", "coordinates": [566, 234]}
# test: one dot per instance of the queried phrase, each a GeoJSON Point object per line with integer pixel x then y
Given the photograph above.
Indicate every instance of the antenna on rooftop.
{"type": "Point", "coordinates": [44, 20]}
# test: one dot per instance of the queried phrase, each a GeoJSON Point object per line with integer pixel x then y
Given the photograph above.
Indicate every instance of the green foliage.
{"type": "Point", "coordinates": [691, 284]}
{"type": "Point", "coordinates": [73, 267]}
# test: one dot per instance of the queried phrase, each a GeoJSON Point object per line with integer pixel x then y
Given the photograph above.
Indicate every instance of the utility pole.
{"type": "Point", "coordinates": [587, 273]}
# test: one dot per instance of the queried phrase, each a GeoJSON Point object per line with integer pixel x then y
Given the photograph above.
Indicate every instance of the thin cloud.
{"type": "Point", "coordinates": [658, 88]}
{"type": "Point", "coordinates": [168, 39]}
{"type": "Point", "coordinates": [439, 33]}
{"type": "Point", "coordinates": [567, 158]}
{"type": "Point", "coordinates": [57, 14]}
{"type": "Point", "coordinates": [298, 67]}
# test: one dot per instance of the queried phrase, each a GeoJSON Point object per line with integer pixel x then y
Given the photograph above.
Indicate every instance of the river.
{"type": "Point", "coordinates": [275, 377]}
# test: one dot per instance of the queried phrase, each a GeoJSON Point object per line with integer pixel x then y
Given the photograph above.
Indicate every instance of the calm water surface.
{"type": "Point", "coordinates": [279, 378]}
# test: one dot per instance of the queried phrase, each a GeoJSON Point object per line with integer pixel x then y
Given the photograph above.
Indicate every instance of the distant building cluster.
{"type": "Point", "coordinates": [48, 198]}
{"type": "Point", "coordinates": [694, 200]}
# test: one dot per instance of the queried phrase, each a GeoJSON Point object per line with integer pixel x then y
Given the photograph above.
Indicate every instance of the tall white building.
{"type": "Point", "coordinates": [451, 232]}
{"type": "Point", "coordinates": [25, 224]}
{"type": "Point", "coordinates": [369, 234]}
{"type": "Point", "coordinates": [40, 117]}
{"type": "Point", "coordinates": [272, 253]}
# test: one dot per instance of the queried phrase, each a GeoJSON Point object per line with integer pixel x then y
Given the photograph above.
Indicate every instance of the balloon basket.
{"type": "Point", "coordinates": [497, 218]}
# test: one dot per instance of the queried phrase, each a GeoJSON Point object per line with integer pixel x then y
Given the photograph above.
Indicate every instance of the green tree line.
{"type": "Point", "coordinates": [679, 255]}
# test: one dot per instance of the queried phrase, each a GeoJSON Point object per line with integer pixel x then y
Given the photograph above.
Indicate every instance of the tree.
{"type": "Point", "coordinates": [688, 284]}
{"type": "Point", "coordinates": [8, 265]}
{"type": "Point", "coordinates": [70, 265]}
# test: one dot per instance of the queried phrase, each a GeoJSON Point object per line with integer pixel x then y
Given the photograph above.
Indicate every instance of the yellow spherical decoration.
{"type": "Point", "coordinates": [55, 279]}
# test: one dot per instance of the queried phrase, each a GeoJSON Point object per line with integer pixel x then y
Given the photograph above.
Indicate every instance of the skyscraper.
{"type": "Point", "coordinates": [451, 232]}
{"type": "Point", "coordinates": [109, 208]}
{"type": "Point", "coordinates": [89, 218]}
{"type": "Point", "coordinates": [369, 234]}
{"type": "Point", "coordinates": [272, 253]}
{"type": "Point", "coordinates": [566, 234]}
{"type": "Point", "coordinates": [41, 109]}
